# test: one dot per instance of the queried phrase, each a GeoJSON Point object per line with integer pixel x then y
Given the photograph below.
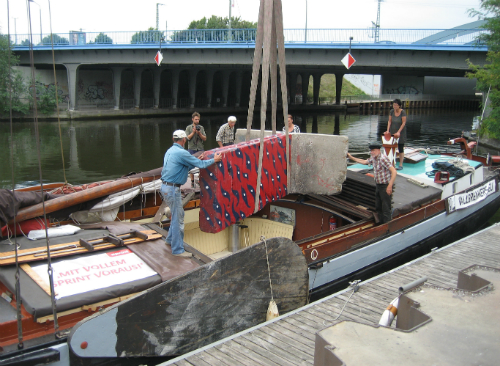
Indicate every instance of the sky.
{"type": "Point", "coordinates": [113, 15]}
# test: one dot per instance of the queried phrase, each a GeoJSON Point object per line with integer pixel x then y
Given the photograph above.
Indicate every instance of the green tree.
{"type": "Point", "coordinates": [10, 77]}
{"type": "Point", "coordinates": [103, 39]}
{"type": "Point", "coordinates": [219, 25]}
{"type": "Point", "coordinates": [25, 43]}
{"type": "Point", "coordinates": [488, 76]}
{"type": "Point", "coordinates": [58, 40]}
{"type": "Point", "coordinates": [215, 22]}
{"type": "Point", "coordinates": [149, 36]}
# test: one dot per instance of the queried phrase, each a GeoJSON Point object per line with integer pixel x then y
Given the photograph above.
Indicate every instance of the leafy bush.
{"type": "Point", "coordinates": [58, 40]}
{"type": "Point", "coordinates": [488, 76]}
{"type": "Point", "coordinates": [150, 36]}
{"type": "Point", "coordinates": [11, 81]}
{"type": "Point", "coordinates": [102, 39]}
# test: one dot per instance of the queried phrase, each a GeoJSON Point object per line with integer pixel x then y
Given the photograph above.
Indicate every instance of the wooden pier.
{"type": "Point", "coordinates": [290, 339]}
{"type": "Point", "coordinates": [377, 105]}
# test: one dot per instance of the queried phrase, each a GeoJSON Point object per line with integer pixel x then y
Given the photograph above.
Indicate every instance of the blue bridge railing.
{"type": "Point", "coordinates": [246, 36]}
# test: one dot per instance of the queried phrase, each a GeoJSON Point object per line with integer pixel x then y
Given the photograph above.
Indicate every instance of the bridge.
{"type": "Point", "coordinates": [209, 68]}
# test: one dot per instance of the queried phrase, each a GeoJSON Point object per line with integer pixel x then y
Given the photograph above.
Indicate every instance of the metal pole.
{"type": "Point", "coordinates": [158, 16]}
{"type": "Point", "coordinates": [40, 8]}
{"type": "Point", "coordinates": [305, 32]}
{"type": "Point", "coordinates": [350, 40]}
{"type": "Point", "coordinates": [15, 28]}
{"type": "Point", "coordinates": [230, 36]}
{"type": "Point", "coordinates": [41, 34]}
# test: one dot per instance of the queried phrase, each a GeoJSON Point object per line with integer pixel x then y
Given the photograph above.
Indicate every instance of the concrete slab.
{"type": "Point", "coordinates": [463, 331]}
{"type": "Point", "coordinates": [318, 163]}
{"type": "Point", "coordinates": [241, 133]}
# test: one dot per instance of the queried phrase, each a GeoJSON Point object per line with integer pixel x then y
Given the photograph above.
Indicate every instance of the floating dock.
{"type": "Point", "coordinates": [463, 325]}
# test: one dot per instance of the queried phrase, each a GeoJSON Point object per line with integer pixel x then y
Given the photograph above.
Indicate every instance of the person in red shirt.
{"type": "Point", "coordinates": [385, 175]}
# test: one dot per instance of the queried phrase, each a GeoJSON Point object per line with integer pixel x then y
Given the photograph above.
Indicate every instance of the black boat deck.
{"type": "Point", "coordinates": [290, 339]}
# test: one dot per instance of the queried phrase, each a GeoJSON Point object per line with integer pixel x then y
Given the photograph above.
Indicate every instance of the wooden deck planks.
{"type": "Point", "coordinates": [224, 358]}
{"type": "Point", "coordinates": [231, 353]}
{"type": "Point", "coordinates": [286, 344]}
{"type": "Point", "coordinates": [279, 350]}
{"type": "Point", "coordinates": [291, 339]}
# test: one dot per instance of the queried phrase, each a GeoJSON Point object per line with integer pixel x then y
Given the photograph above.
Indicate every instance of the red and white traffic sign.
{"type": "Point", "coordinates": [158, 58]}
{"type": "Point", "coordinates": [348, 60]}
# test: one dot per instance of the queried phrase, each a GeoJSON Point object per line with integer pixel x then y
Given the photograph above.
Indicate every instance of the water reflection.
{"type": "Point", "coordinates": [100, 150]}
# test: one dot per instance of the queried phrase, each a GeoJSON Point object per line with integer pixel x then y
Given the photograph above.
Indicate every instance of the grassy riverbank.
{"type": "Point", "coordinates": [327, 88]}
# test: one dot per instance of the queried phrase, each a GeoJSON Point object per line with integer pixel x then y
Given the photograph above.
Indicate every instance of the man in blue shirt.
{"type": "Point", "coordinates": [176, 164]}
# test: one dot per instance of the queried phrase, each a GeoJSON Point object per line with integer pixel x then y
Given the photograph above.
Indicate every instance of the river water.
{"type": "Point", "coordinates": [100, 150]}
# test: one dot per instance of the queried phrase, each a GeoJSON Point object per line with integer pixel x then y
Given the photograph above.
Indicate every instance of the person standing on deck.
{"type": "Point", "coordinates": [385, 175]}
{"type": "Point", "coordinates": [196, 136]}
{"type": "Point", "coordinates": [292, 128]}
{"type": "Point", "coordinates": [397, 127]}
{"type": "Point", "coordinates": [225, 136]}
{"type": "Point", "coordinates": [176, 164]}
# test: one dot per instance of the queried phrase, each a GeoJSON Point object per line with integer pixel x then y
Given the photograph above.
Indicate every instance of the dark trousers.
{"type": "Point", "coordinates": [383, 203]}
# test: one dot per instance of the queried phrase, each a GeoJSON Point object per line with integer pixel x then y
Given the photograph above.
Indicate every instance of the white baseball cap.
{"type": "Point", "coordinates": [231, 119]}
{"type": "Point", "coordinates": [179, 134]}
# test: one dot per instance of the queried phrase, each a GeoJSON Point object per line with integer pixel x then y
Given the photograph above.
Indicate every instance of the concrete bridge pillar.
{"type": "Point", "coordinates": [338, 87]}
{"type": "Point", "coordinates": [305, 86]}
{"type": "Point", "coordinates": [192, 86]}
{"type": "Point", "coordinates": [336, 128]}
{"type": "Point", "coordinates": [117, 82]}
{"type": "Point", "coordinates": [292, 87]}
{"type": "Point", "coordinates": [175, 87]}
{"type": "Point", "coordinates": [117, 141]}
{"type": "Point", "coordinates": [239, 82]}
{"type": "Point", "coordinates": [316, 86]}
{"type": "Point", "coordinates": [137, 86]}
{"type": "Point", "coordinates": [72, 70]}
{"type": "Point", "coordinates": [156, 86]}
{"type": "Point", "coordinates": [210, 85]}
{"type": "Point", "coordinates": [225, 86]}
{"type": "Point", "coordinates": [314, 127]}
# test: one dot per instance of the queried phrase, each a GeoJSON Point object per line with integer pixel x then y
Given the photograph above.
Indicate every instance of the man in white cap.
{"type": "Point", "coordinates": [225, 136]}
{"type": "Point", "coordinates": [176, 164]}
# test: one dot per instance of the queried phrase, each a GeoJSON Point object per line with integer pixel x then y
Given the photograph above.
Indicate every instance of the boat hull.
{"type": "Point", "coordinates": [387, 252]}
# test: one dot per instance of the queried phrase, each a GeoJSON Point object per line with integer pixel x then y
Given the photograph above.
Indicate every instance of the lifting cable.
{"type": "Point", "coordinates": [57, 97]}
{"type": "Point", "coordinates": [20, 344]}
{"type": "Point", "coordinates": [37, 137]}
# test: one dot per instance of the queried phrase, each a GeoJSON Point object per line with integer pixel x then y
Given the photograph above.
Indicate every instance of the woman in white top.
{"type": "Point", "coordinates": [291, 127]}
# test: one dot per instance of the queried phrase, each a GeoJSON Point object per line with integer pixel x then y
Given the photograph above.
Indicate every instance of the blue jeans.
{"type": "Point", "coordinates": [172, 195]}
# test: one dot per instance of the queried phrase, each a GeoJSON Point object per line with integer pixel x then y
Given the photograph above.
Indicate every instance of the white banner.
{"type": "Point", "coordinates": [463, 200]}
{"type": "Point", "coordinates": [87, 273]}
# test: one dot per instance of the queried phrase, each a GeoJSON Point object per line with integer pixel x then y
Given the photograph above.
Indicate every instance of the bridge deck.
{"type": "Point", "coordinates": [290, 339]}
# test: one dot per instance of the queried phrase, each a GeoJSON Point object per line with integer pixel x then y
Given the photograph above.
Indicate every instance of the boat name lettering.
{"type": "Point", "coordinates": [467, 199]}
{"type": "Point", "coordinates": [475, 194]}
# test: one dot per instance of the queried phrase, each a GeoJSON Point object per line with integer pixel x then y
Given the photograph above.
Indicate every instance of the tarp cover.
{"type": "Point", "coordinates": [10, 202]}
{"type": "Point", "coordinates": [38, 303]}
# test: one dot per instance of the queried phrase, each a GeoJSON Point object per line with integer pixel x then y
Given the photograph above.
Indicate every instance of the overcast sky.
{"type": "Point", "coordinates": [112, 15]}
